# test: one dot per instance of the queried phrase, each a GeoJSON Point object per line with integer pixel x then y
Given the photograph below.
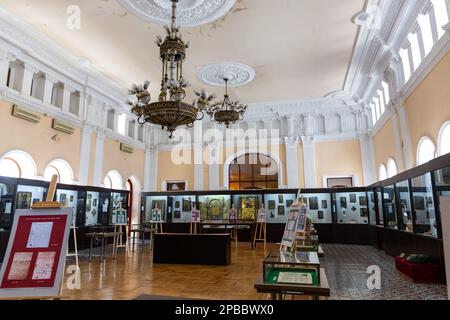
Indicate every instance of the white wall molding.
{"type": "Point", "coordinates": [292, 166]}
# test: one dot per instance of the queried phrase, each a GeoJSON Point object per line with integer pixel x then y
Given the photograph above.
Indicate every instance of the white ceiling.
{"type": "Point", "coordinates": [299, 48]}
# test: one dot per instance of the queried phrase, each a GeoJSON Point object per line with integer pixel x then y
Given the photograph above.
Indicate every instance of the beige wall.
{"type": "Point", "coordinates": [36, 140]}
{"type": "Point", "coordinates": [125, 163]}
{"type": "Point", "coordinates": [428, 107]}
{"type": "Point", "coordinates": [384, 145]}
{"type": "Point", "coordinates": [168, 170]}
{"type": "Point", "coordinates": [335, 158]}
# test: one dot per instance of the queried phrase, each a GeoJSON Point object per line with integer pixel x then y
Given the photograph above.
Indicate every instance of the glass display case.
{"type": "Point", "coordinates": [119, 208]}
{"type": "Point", "coordinates": [277, 206]}
{"type": "Point", "coordinates": [319, 207]}
{"type": "Point", "coordinates": [372, 207]}
{"type": "Point", "coordinates": [181, 208]}
{"type": "Point", "coordinates": [247, 205]}
{"type": "Point", "coordinates": [404, 206]}
{"type": "Point", "coordinates": [92, 209]}
{"type": "Point", "coordinates": [442, 181]}
{"type": "Point", "coordinates": [379, 201]}
{"type": "Point", "coordinates": [151, 206]}
{"type": "Point", "coordinates": [390, 209]}
{"type": "Point", "coordinates": [302, 268]}
{"type": "Point", "coordinates": [214, 207]}
{"type": "Point", "coordinates": [69, 199]}
{"type": "Point", "coordinates": [29, 194]}
{"type": "Point", "coordinates": [7, 193]}
{"type": "Point", "coordinates": [351, 207]}
{"type": "Point", "coordinates": [423, 204]}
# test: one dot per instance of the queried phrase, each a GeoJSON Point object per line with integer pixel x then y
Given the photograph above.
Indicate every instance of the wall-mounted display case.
{"type": "Point", "coordinates": [151, 204]}
{"type": "Point", "coordinates": [214, 207]}
{"type": "Point", "coordinates": [247, 205]}
{"type": "Point", "coordinates": [277, 206]}
{"type": "Point", "coordinates": [180, 208]}
{"type": "Point", "coordinates": [351, 207]}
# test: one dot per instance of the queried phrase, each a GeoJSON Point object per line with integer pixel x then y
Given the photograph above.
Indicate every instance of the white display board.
{"type": "Point", "coordinates": [445, 220]}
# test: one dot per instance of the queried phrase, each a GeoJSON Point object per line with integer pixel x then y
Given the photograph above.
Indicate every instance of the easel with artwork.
{"type": "Point", "coordinates": [35, 262]}
{"type": "Point", "coordinates": [195, 221]}
{"type": "Point", "coordinates": [120, 227]}
{"type": "Point", "coordinates": [296, 221]}
{"type": "Point", "coordinates": [156, 219]}
{"type": "Point", "coordinates": [261, 228]}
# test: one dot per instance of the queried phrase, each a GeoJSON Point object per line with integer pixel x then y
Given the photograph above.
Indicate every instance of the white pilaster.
{"type": "Point", "coordinates": [408, 156]}
{"type": "Point", "coordinates": [214, 166]}
{"type": "Point", "coordinates": [292, 162]}
{"type": "Point", "coordinates": [198, 156]}
{"type": "Point", "coordinates": [85, 154]}
{"type": "Point", "coordinates": [48, 89]}
{"type": "Point", "coordinates": [309, 161]}
{"type": "Point", "coordinates": [398, 143]}
{"type": "Point", "coordinates": [28, 74]}
{"type": "Point", "coordinates": [99, 155]}
{"type": "Point", "coordinates": [5, 60]}
{"type": "Point", "coordinates": [368, 159]}
{"type": "Point", "coordinates": [150, 168]}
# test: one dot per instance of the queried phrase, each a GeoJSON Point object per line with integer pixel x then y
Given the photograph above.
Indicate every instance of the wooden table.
{"type": "Point", "coordinates": [234, 226]}
{"type": "Point", "coordinates": [103, 236]}
{"type": "Point", "coordinates": [277, 291]}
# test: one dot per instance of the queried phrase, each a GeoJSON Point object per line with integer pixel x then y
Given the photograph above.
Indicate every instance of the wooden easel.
{"type": "Point", "coordinates": [157, 224]}
{"type": "Point", "coordinates": [260, 231]}
{"type": "Point", "coordinates": [194, 227]}
{"type": "Point", "coordinates": [121, 228]}
{"type": "Point", "coordinates": [50, 204]}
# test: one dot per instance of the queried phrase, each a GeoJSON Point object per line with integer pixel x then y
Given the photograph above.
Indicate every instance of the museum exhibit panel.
{"type": "Point", "coordinates": [208, 164]}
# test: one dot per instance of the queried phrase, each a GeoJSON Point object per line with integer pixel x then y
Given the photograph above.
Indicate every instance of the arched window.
{"type": "Point", "coordinates": [17, 164]}
{"type": "Point", "coordinates": [426, 151]}
{"type": "Point", "coordinates": [62, 169]}
{"type": "Point", "coordinates": [382, 172]}
{"type": "Point", "coordinates": [391, 168]}
{"type": "Point", "coordinates": [253, 171]}
{"type": "Point", "coordinates": [444, 139]}
{"type": "Point", "coordinates": [113, 180]}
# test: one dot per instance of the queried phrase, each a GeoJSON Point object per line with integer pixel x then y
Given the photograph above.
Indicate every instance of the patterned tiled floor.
{"type": "Point", "coordinates": [346, 269]}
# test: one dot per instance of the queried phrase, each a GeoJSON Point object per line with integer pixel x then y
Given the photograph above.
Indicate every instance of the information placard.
{"type": "Point", "coordinates": [290, 229]}
{"type": "Point", "coordinates": [261, 218]}
{"type": "Point", "coordinates": [34, 260]}
{"type": "Point", "coordinates": [232, 214]}
{"type": "Point", "coordinates": [195, 215]}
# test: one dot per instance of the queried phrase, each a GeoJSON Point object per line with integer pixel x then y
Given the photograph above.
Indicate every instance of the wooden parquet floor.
{"type": "Point", "coordinates": [133, 274]}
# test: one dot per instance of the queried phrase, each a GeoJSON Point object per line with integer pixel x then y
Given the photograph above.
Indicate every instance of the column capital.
{"type": "Point", "coordinates": [69, 88]}
{"type": "Point", "coordinates": [426, 7]}
{"type": "Point", "coordinates": [447, 28]}
{"type": "Point", "coordinates": [10, 57]}
{"type": "Point", "coordinates": [31, 68]}
{"type": "Point", "coordinates": [50, 78]}
{"type": "Point", "coordinates": [307, 140]}
{"type": "Point", "coordinates": [291, 141]}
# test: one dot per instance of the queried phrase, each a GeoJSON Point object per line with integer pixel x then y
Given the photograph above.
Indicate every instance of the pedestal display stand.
{"type": "Point", "coordinates": [261, 228]}
{"type": "Point", "coordinates": [35, 257]}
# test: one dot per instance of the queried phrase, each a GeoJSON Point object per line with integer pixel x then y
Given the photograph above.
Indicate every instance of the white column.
{"type": "Point", "coordinates": [150, 168]}
{"type": "Point", "coordinates": [290, 126]}
{"type": "Point", "coordinates": [368, 159]}
{"type": "Point", "coordinates": [198, 156]}
{"type": "Point", "coordinates": [28, 74]}
{"type": "Point", "coordinates": [48, 89]}
{"type": "Point", "coordinates": [214, 166]}
{"type": "Point", "coordinates": [85, 154]}
{"type": "Point", "coordinates": [99, 153]}
{"type": "Point", "coordinates": [66, 99]}
{"type": "Point", "coordinates": [397, 142]}
{"type": "Point", "coordinates": [5, 59]}
{"type": "Point", "coordinates": [309, 161]}
{"type": "Point", "coordinates": [292, 162]}
{"type": "Point", "coordinates": [408, 156]}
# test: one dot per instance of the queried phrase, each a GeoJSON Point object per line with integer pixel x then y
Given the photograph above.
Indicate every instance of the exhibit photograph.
{"type": "Point", "coordinates": [225, 158]}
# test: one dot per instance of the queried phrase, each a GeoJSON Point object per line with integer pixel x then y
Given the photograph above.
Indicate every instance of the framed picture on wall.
{"type": "Point", "coordinates": [364, 212]}
{"type": "Point", "coordinates": [281, 210]}
{"type": "Point", "coordinates": [419, 203]}
{"type": "Point", "coordinates": [271, 204]}
{"type": "Point", "coordinates": [187, 204]}
{"type": "Point", "coordinates": [320, 215]}
{"type": "Point", "coordinates": [313, 203]}
{"type": "Point", "coordinates": [280, 199]}
{"type": "Point", "coordinates": [289, 203]}
{"type": "Point", "coordinates": [352, 198]}
{"type": "Point", "coordinates": [24, 200]}
{"type": "Point", "coordinates": [177, 204]}
{"type": "Point", "coordinates": [343, 201]}
{"type": "Point", "coordinates": [177, 214]}
{"type": "Point", "coordinates": [363, 201]}
{"type": "Point", "coordinates": [324, 204]}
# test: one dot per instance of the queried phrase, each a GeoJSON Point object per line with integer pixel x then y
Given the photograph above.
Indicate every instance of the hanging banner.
{"type": "Point", "coordinates": [34, 260]}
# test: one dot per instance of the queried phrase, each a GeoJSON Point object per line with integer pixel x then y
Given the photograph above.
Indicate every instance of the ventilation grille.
{"type": "Point", "coordinates": [25, 114]}
{"type": "Point", "coordinates": [63, 127]}
{"type": "Point", "coordinates": [126, 148]}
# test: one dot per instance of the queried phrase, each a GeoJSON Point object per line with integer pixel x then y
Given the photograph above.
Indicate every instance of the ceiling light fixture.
{"type": "Point", "coordinates": [169, 111]}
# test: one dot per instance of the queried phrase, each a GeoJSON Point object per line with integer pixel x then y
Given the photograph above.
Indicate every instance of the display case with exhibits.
{"type": "Point", "coordinates": [442, 181]}
{"type": "Point", "coordinates": [379, 201]}
{"type": "Point", "coordinates": [390, 209]}
{"type": "Point", "coordinates": [351, 207]}
{"type": "Point", "coordinates": [7, 193]}
{"type": "Point", "coordinates": [155, 209]}
{"type": "Point", "coordinates": [299, 268]}
{"type": "Point", "coordinates": [318, 207]}
{"type": "Point", "coordinates": [247, 205]}
{"type": "Point", "coordinates": [68, 199]}
{"type": "Point", "coordinates": [181, 207]}
{"type": "Point", "coordinates": [29, 194]}
{"type": "Point", "coordinates": [214, 207]}
{"type": "Point", "coordinates": [277, 206]}
{"type": "Point", "coordinates": [404, 206]}
{"type": "Point", "coordinates": [92, 208]}
{"type": "Point", "coordinates": [372, 207]}
{"type": "Point", "coordinates": [423, 204]}
{"type": "Point", "coordinates": [119, 202]}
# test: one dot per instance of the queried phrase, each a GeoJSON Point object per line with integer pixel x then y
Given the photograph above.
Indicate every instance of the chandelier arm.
{"type": "Point", "coordinates": [141, 122]}
{"type": "Point", "coordinates": [202, 115]}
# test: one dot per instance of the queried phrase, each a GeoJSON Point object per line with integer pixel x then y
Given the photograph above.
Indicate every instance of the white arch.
{"type": "Point", "coordinates": [444, 139]}
{"type": "Point", "coordinates": [231, 158]}
{"type": "Point", "coordinates": [26, 163]}
{"type": "Point", "coordinates": [382, 172]}
{"type": "Point", "coordinates": [63, 168]}
{"type": "Point", "coordinates": [392, 169]}
{"type": "Point", "coordinates": [426, 150]}
{"type": "Point", "coordinates": [115, 178]}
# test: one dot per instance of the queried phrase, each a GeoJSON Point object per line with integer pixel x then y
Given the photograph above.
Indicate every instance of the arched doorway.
{"type": "Point", "coordinates": [253, 171]}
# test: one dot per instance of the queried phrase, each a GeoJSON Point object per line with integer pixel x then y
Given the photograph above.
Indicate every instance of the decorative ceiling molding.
{"type": "Point", "coordinates": [190, 13]}
{"type": "Point", "coordinates": [237, 73]}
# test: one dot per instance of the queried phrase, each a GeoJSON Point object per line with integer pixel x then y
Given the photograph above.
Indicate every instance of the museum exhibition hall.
{"type": "Point", "coordinates": [224, 150]}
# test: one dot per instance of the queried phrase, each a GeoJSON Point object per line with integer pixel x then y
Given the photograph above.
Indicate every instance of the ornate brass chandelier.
{"type": "Point", "coordinates": [224, 112]}
{"type": "Point", "coordinates": [169, 111]}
